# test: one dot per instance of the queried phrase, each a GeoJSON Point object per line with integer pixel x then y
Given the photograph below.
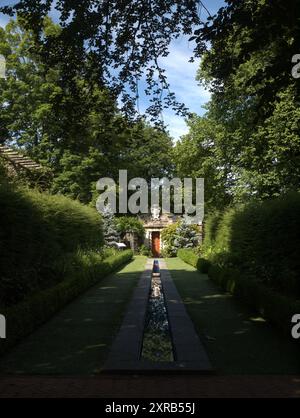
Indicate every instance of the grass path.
{"type": "Point", "coordinates": [76, 341]}
{"type": "Point", "coordinates": [236, 341]}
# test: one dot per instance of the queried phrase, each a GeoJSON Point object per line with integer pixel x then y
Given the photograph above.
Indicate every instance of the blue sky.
{"type": "Point", "coordinates": [181, 75]}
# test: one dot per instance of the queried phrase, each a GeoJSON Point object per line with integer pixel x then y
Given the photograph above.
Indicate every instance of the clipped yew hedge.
{"type": "Point", "coordinates": [272, 305]}
{"type": "Point", "coordinates": [83, 270]}
{"type": "Point", "coordinates": [190, 257]}
{"type": "Point", "coordinates": [252, 251]}
{"type": "Point", "coordinates": [262, 240]}
{"type": "Point", "coordinates": [37, 230]}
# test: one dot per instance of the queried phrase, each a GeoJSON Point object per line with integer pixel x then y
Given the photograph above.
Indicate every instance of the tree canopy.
{"type": "Point", "coordinates": [248, 144]}
{"type": "Point", "coordinates": [121, 41]}
{"type": "Point", "coordinates": [80, 134]}
{"type": "Point", "coordinates": [63, 83]}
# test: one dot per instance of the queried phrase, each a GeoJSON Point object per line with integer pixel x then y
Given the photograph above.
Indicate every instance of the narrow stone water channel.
{"type": "Point", "coordinates": [157, 342]}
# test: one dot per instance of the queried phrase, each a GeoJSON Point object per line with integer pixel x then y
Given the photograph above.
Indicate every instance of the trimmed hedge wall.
{"type": "Point", "coordinates": [272, 305]}
{"type": "Point", "coordinates": [84, 270]}
{"type": "Point", "coordinates": [252, 251]}
{"type": "Point", "coordinates": [275, 307]}
{"type": "Point", "coordinates": [260, 239]}
{"type": "Point", "coordinates": [37, 230]}
{"type": "Point", "coordinates": [190, 257]}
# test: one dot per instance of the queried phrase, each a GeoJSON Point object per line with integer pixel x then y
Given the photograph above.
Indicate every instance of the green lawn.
{"type": "Point", "coordinates": [77, 339]}
{"type": "Point", "coordinates": [237, 342]}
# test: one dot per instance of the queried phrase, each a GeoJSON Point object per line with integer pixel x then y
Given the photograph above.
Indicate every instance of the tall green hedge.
{"type": "Point", "coordinates": [261, 240]}
{"type": "Point", "coordinates": [82, 270]}
{"type": "Point", "coordinates": [252, 251]}
{"type": "Point", "coordinates": [37, 230]}
{"type": "Point", "coordinates": [189, 256]}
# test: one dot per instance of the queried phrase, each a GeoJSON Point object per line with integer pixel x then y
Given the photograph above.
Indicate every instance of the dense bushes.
{"type": "Point", "coordinates": [130, 224]}
{"type": "Point", "coordinates": [179, 235]}
{"type": "Point", "coordinates": [262, 240]}
{"type": "Point", "coordinates": [168, 236]}
{"type": "Point", "coordinates": [50, 252]}
{"type": "Point", "coordinates": [271, 304]}
{"type": "Point", "coordinates": [144, 250]}
{"type": "Point", "coordinates": [190, 257]}
{"type": "Point", "coordinates": [252, 252]}
{"type": "Point", "coordinates": [82, 270]}
{"type": "Point", "coordinates": [37, 231]}
{"type": "Point", "coordinates": [3, 174]}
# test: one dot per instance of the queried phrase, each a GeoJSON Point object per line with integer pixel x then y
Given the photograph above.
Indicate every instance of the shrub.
{"type": "Point", "coordinates": [179, 235]}
{"type": "Point", "coordinates": [110, 230]}
{"type": "Point", "coordinates": [37, 231]}
{"type": "Point", "coordinates": [190, 257]}
{"type": "Point", "coordinates": [3, 172]}
{"type": "Point", "coordinates": [211, 228]}
{"type": "Point", "coordinates": [83, 269]}
{"type": "Point", "coordinates": [168, 236]}
{"type": "Point", "coordinates": [275, 307]}
{"type": "Point", "coordinates": [187, 236]}
{"type": "Point", "coordinates": [145, 250]}
{"type": "Point", "coordinates": [106, 252]}
{"type": "Point", "coordinates": [130, 224]}
{"type": "Point", "coordinates": [261, 240]}
{"type": "Point", "coordinates": [252, 252]}
{"type": "Point", "coordinates": [167, 253]}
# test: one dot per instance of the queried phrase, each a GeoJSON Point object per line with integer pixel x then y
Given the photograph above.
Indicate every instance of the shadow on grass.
{"type": "Point", "coordinates": [77, 340]}
{"type": "Point", "coordinates": [237, 340]}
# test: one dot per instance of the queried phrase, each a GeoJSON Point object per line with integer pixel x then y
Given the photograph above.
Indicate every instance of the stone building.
{"type": "Point", "coordinates": [153, 225]}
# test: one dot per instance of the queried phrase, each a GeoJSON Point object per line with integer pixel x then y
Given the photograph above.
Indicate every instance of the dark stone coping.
{"type": "Point", "coordinates": [187, 347]}
{"type": "Point", "coordinates": [127, 346]}
{"type": "Point", "coordinates": [190, 355]}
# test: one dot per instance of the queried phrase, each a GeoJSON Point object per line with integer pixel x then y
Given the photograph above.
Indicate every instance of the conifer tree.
{"type": "Point", "coordinates": [186, 236]}
{"type": "Point", "coordinates": [110, 231]}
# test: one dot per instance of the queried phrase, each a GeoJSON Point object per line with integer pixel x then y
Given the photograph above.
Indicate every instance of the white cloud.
{"type": "Point", "coordinates": [181, 75]}
{"type": "Point", "coordinates": [3, 20]}
{"type": "Point", "coordinates": [177, 126]}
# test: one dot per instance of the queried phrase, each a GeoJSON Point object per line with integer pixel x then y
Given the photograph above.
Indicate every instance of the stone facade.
{"type": "Point", "coordinates": [153, 226]}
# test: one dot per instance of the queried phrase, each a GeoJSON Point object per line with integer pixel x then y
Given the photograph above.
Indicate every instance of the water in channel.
{"type": "Point", "coordinates": [157, 343]}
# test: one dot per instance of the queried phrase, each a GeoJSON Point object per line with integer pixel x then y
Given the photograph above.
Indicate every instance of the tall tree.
{"type": "Point", "coordinates": [186, 236]}
{"type": "Point", "coordinates": [122, 40]}
{"type": "Point", "coordinates": [246, 52]}
{"type": "Point", "coordinates": [149, 152]}
{"type": "Point", "coordinates": [110, 228]}
{"type": "Point", "coordinates": [198, 155]}
{"type": "Point", "coordinates": [79, 134]}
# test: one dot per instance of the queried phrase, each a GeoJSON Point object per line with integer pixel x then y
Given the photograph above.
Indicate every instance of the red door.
{"type": "Point", "coordinates": [156, 244]}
